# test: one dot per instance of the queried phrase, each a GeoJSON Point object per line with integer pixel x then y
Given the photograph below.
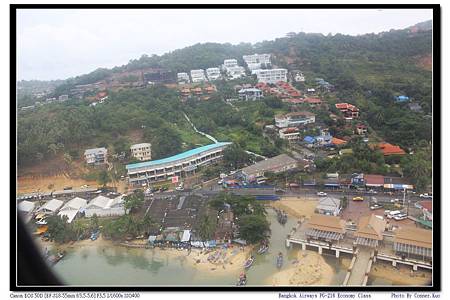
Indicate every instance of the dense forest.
{"type": "Point", "coordinates": [367, 70]}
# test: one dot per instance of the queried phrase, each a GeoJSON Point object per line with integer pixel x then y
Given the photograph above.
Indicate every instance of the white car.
{"type": "Point", "coordinates": [426, 195]}
{"type": "Point", "coordinates": [395, 200]}
{"type": "Point", "coordinates": [400, 217]}
{"type": "Point", "coordinates": [321, 194]}
{"type": "Point", "coordinates": [376, 206]}
{"type": "Point", "coordinates": [373, 192]}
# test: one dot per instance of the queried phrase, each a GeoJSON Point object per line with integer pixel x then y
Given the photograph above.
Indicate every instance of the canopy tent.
{"type": "Point", "coordinates": [70, 214]}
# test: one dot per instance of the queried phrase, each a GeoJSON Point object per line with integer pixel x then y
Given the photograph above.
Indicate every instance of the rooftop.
{"type": "Point", "coordinates": [140, 145]}
{"type": "Point", "coordinates": [179, 156]}
{"type": "Point", "coordinates": [371, 227]}
{"type": "Point", "coordinates": [94, 150]}
{"type": "Point", "coordinates": [269, 164]}
{"type": "Point", "coordinates": [414, 236]}
{"type": "Point", "coordinates": [326, 223]}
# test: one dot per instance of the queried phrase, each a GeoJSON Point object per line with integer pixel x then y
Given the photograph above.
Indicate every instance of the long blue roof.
{"type": "Point", "coordinates": [179, 156]}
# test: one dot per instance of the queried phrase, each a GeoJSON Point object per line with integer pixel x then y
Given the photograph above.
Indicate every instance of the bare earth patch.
{"type": "Point", "coordinates": [297, 206]}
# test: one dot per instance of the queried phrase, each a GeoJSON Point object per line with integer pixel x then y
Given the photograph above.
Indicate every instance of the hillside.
{"type": "Point", "coordinates": [367, 71]}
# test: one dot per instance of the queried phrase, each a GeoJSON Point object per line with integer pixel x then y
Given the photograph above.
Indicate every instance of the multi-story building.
{"type": "Point", "coordinates": [350, 111]}
{"type": "Point", "coordinates": [198, 75]}
{"type": "Point", "coordinates": [96, 156]}
{"type": "Point", "coordinates": [230, 63]}
{"type": "Point", "coordinates": [250, 94]}
{"type": "Point", "coordinates": [63, 98]}
{"type": "Point", "coordinates": [213, 73]}
{"type": "Point", "coordinates": [142, 151]}
{"type": "Point", "coordinates": [183, 78]}
{"type": "Point", "coordinates": [271, 75]}
{"type": "Point", "coordinates": [178, 165]}
{"type": "Point", "coordinates": [236, 72]}
{"type": "Point", "coordinates": [289, 133]}
{"type": "Point", "coordinates": [294, 119]}
{"type": "Point", "coordinates": [256, 61]}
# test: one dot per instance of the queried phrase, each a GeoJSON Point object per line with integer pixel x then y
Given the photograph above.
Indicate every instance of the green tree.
{"type": "Point", "coordinates": [207, 227]}
{"type": "Point", "coordinates": [133, 201]}
{"type": "Point", "coordinates": [103, 178]}
{"type": "Point", "coordinates": [253, 228]}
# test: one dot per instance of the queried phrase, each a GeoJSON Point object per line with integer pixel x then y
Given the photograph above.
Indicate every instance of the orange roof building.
{"type": "Point", "coordinates": [338, 142]}
{"type": "Point", "coordinates": [414, 242]}
{"type": "Point", "coordinates": [389, 149]}
{"type": "Point", "coordinates": [323, 227]}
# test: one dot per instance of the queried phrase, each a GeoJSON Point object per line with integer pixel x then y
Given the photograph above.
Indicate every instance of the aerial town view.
{"type": "Point", "coordinates": [301, 158]}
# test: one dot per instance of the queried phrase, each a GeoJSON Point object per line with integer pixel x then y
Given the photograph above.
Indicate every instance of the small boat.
{"type": "Point", "coordinates": [279, 260]}
{"type": "Point", "coordinates": [249, 262]}
{"type": "Point", "coordinates": [242, 280]}
{"type": "Point", "coordinates": [53, 259]}
{"type": "Point", "coordinates": [263, 249]}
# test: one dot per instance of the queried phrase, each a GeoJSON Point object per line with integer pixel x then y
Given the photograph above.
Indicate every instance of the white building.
{"type": "Point", "coordinates": [198, 75]}
{"type": "Point", "coordinates": [183, 78]}
{"type": "Point", "coordinates": [105, 207]}
{"type": "Point", "coordinates": [72, 208]}
{"type": "Point", "coordinates": [236, 72]}
{"type": "Point", "coordinates": [294, 119]}
{"type": "Point", "coordinates": [182, 164]}
{"type": "Point", "coordinates": [290, 134]}
{"type": "Point", "coordinates": [298, 76]}
{"type": "Point", "coordinates": [250, 94]}
{"type": "Point", "coordinates": [213, 73]}
{"type": "Point", "coordinates": [271, 75]}
{"type": "Point", "coordinates": [329, 206]}
{"type": "Point", "coordinates": [96, 156]}
{"type": "Point", "coordinates": [230, 63]}
{"type": "Point", "coordinates": [256, 61]}
{"type": "Point", "coordinates": [142, 151]}
{"type": "Point", "coordinates": [51, 207]}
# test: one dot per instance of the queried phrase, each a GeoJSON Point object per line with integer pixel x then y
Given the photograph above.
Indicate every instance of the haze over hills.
{"type": "Point", "coordinates": [203, 55]}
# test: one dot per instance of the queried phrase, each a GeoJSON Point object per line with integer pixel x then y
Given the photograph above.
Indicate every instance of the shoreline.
{"type": "Point", "coordinates": [310, 269]}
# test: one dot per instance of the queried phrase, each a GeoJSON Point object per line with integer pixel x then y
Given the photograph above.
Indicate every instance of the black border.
{"type": "Point", "coordinates": [436, 102]}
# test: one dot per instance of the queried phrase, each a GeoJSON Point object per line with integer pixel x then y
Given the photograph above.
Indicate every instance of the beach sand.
{"type": "Point", "coordinates": [296, 206]}
{"type": "Point", "coordinates": [311, 269]}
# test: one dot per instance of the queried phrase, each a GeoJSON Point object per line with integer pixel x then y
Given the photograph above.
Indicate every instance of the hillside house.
{"type": "Point", "coordinates": [289, 133]}
{"type": "Point", "coordinates": [348, 110]}
{"type": "Point", "coordinates": [142, 151]}
{"type": "Point", "coordinates": [213, 73]}
{"type": "Point", "coordinates": [361, 129]}
{"type": "Point", "coordinates": [96, 156]}
{"type": "Point", "coordinates": [250, 94]}
{"type": "Point", "coordinates": [294, 119]}
{"type": "Point", "coordinates": [183, 78]}
{"type": "Point", "coordinates": [198, 75]}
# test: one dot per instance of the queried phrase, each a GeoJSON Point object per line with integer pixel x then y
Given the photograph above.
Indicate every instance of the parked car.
{"type": "Point", "coordinates": [220, 182]}
{"type": "Point", "coordinates": [401, 216]}
{"type": "Point", "coordinates": [376, 206]}
{"type": "Point", "coordinates": [280, 191]}
{"type": "Point", "coordinates": [395, 200]}
{"type": "Point", "coordinates": [358, 198]}
{"type": "Point", "coordinates": [372, 192]}
{"type": "Point", "coordinates": [393, 213]}
{"type": "Point", "coordinates": [426, 196]}
{"type": "Point", "coordinates": [321, 194]}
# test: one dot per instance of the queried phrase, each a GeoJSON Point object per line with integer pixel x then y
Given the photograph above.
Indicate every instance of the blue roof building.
{"type": "Point", "coordinates": [177, 165]}
{"type": "Point", "coordinates": [309, 139]}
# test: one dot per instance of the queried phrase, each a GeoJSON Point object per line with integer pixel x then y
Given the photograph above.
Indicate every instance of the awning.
{"type": "Point", "coordinates": [327, 235]}
{"type": "Point", "coordinates": [412, 249]}
{"type": "Point", "coordinates": [366, 242]}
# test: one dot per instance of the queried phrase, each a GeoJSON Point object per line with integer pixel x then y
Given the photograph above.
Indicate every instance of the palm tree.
{"type": "Point", "coordinates": [207, 227]}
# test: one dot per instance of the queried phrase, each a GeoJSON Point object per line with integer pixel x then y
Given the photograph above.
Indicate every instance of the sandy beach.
{"type": "Point", "coordinates": [311, 269]}
{"type": "Point", "coordinates": [297, 206]}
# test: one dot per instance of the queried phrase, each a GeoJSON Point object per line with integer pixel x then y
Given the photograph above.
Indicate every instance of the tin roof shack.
{"type": "Point", "coordinates": [329, 206]}
{"type": "Point", "coordinates": [277, 164]}
{"type": "Point", "coordinates": [415, 243]}
{"type": "Point", "coordinates": [325, 228]}
{"type": "Point", "coordinates": [370, 231]}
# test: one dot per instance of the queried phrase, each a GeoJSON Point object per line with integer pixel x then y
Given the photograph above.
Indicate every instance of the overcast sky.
{"type": "Point", "coordinates": [57, 44]}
